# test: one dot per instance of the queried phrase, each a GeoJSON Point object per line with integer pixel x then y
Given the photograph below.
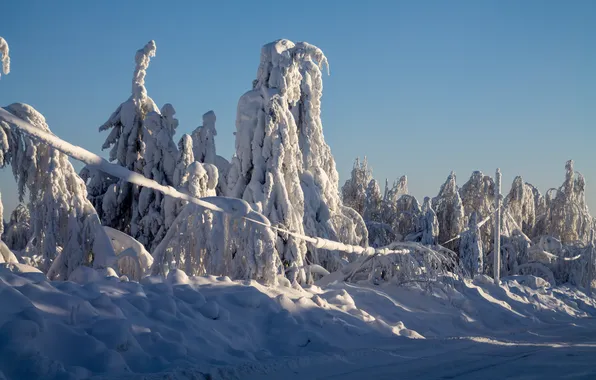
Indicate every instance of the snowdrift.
{"type": "Point", "coordinates": [191, 327]}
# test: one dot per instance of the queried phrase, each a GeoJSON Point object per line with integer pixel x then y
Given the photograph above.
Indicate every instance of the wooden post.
{"type": "Point", "coordinates": [497, 247]}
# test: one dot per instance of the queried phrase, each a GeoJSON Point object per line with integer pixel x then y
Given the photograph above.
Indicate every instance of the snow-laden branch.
{"type": "Point", "coordinates": [5, 56]}
{"type": "Point", "coordinates": [235, 207]}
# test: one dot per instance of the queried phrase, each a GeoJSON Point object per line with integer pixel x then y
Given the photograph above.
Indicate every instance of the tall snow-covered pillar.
{"type": "Point", "coordinates": [497, 247]}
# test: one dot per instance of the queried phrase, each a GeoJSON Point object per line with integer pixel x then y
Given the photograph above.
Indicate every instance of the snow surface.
{"type": "Point", "coordinates": [187, 327]}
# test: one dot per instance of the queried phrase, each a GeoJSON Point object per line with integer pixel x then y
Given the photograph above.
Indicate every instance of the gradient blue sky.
{"type": "Point", "coordinates": [420, 87]}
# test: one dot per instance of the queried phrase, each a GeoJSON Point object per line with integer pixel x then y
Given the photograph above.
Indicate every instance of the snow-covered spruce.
{"type": "Point", "coordinates": [159, 156]}
{"type": "Point", "coordinates": [450, 212]}
{"type": "Point", "coordinates": [202, 242]}
{"type": "Point", "coordinates": [116, 200]}
{"type": "Point", "coordinates": [66, 231]}
{"type": "Point", "coordinates": [478, 195]}
{"type": "Point", "coordinates": [282, 164]}
{"type": "Point", "coordinates": [325, 215]}
{"type": "Point", "coordinates": [266, 169]}
{"type": "Point", "coordinates": [355, 187]}
{"type": "Point", "coordinates": [471, 254]}
{"type": "Point", "coordinates": [4, 51]}
{"type": "Point", "coordinates": [18, 229]}
{"type": "Point", "coordinates": [567, 216]}
{"type": "Point", "coordinates": [203, 146]}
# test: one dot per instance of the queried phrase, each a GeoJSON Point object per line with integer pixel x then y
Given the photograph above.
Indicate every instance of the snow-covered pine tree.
{"type": "Point", "coordinates": [406, 218]}
{"type": "Point", "coordinates": [568, 217]}
{"type": "Point", "coordinates": [18, 230]}
{"type": "Point", "coordinates": [325, 215]}
{"type": "Point", "coordinates": [203, 145]}
{"type": "Point", "coordinates": [6, 255]}
{"type": "Point", "coordinates": [4, 51]}
{"type": "Point", "coordinates": [471, 255]}
{"type": "Point", "coordinates": [450, 212]}
{"type": "Point", "coordinates": [120, 200]}
{"type": "Point", "coordinates": [159, 156]}
{"type": "Point", "coordinates": [478, 195]}
{"type": "Point", "coordinates": [66, 232]}
{"type": "Point", "coordinates": [354, 189]}
{"type": "Point", "coordinates": [389, 208]}
{"type": "Point", "coordinates": [429, 224]}
{"type": "Point", "coordinates": [373, 202]}
{"type": "Point", "coordinates": [266, 169]}
{"type": "Point", "coordinates": [520, 205]}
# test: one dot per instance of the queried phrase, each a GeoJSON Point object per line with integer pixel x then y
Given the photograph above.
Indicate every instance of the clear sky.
{"type": "Point", "coordinates": [420, 87]}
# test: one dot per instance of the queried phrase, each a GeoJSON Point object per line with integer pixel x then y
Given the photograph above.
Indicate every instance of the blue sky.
{"type": "Point", "coordinates": [420, 87]}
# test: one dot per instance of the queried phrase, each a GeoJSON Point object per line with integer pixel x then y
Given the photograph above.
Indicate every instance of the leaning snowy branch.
{"type": "Point", "coordinates": [235, 207]}
{"type": "Point", "coordinates": [5, 56]}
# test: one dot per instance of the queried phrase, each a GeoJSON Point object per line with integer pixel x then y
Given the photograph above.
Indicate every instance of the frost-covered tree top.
{"type": "Point", "coordinates": [126, 121]}
{"type": "Point", "coordinates": [4, 51]}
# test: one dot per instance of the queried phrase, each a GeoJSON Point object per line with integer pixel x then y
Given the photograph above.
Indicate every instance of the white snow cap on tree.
{"type": "Point", "coordinates": [66, 230]}
{"type": "Point", "coordinates": [4, 51]}
{"type": "Point", "coordinates": [1, 217]}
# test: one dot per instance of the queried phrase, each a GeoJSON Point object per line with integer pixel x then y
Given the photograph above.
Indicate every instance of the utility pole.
{"type": "Point", "coordinates": [590, 262]}
{"type": "Point", "coordinates": [497, 247]}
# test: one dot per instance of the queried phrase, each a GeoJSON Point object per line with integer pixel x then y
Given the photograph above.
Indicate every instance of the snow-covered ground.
{"type": "Point", "coordinates": [185, 328]}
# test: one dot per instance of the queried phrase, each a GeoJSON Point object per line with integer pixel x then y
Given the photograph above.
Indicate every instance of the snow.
{"type": "Point", "coordinates": [5, 56]}
{"type": "Point", "coordinates": [185, 326]}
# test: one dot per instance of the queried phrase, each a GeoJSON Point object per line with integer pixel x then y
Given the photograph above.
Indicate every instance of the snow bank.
{"type": "Point", "coordinates": [184, 325]}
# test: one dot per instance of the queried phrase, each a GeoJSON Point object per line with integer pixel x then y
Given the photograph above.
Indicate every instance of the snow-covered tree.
{"type": "Point", "coordinates": [120, 200]}
{"type": "Point", "coordinates": [520, 205]}
{"type": "Point", "coordinates": [389, 207]}
{"type": "Point", "coordinates": [568, 217]}
{"type": "Point", "coordinates": [203, 242]}
{"type": "Point", "coordinates": [354, 189]}
{"type": "Point", "coordinates": [18, 230]}
{"type": "Point", "coordinates": [66, 232]}
{"type": "Point", "coordinates": [470, 248]}
{"type": "Point", "coordinates": [429, 224]}
{"type": "Point", "coordinates": [159, 156]}
{"type": "Point", "coordinates": [325, 214]}
{"type": "Point", "coordinates": [478, 195]}
{"type": "Point", "coordinates": [4, 51]}
{"type": "Point", "coordinates": [203, 145]}
{"type": "Point", "coordinates": [203, 139]}
{"type": "Point", "coordinates": [373, 202]}
{"type": "Point", "coordinates": [266, 169]}
{"type": "Point", "coordinates": [407, 216]}
{"type": "Point", "coordinates": [450, 212]}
